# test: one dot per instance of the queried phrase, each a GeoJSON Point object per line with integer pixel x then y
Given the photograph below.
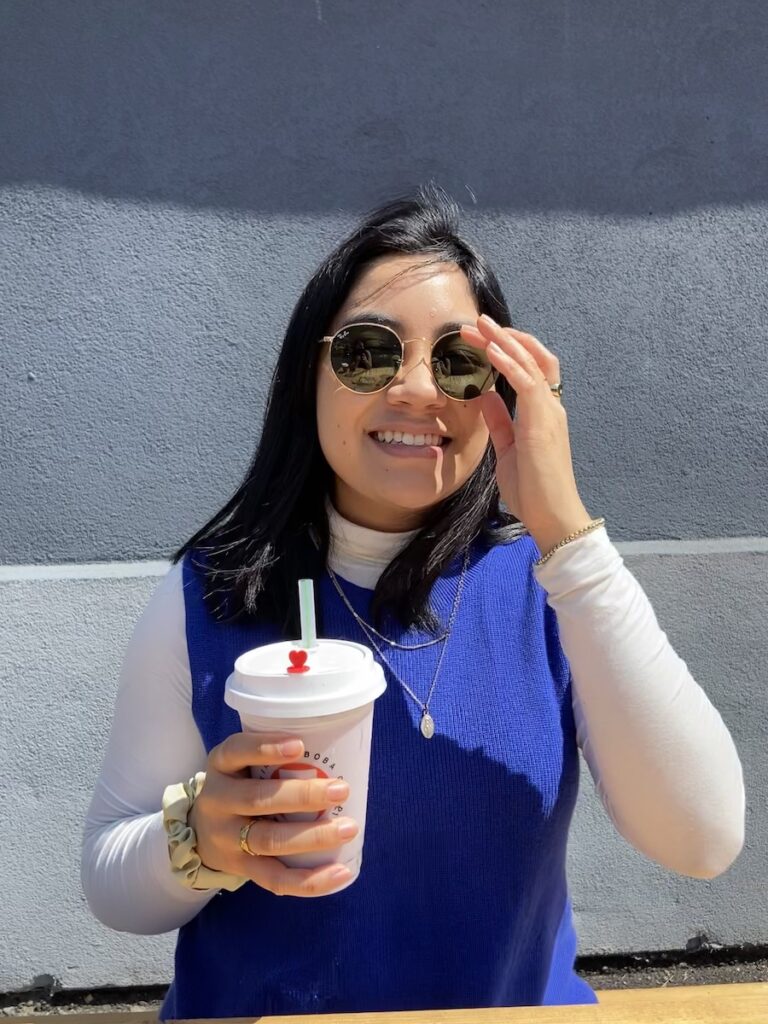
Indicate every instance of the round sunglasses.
{"type": "Point", "coordinates": [367, 357]}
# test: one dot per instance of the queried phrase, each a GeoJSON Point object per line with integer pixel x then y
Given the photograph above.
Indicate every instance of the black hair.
{"type": "Point", "coordinates": [253, 551]}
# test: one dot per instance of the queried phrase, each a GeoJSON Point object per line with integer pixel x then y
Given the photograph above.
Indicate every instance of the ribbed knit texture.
{"type": "Point", "coordinates": [462, 899]}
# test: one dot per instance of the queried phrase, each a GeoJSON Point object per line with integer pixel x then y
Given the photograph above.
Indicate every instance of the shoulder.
{"type": "Point", "coordinates": [514, 553]}
{"type": "Point", "coordinates": [207, 588]}
{"type": "Point", "coordinates": [502, 574]}
{"type": "Point", "coordinates": [163, 615]}
{"type": "Point", "coordinates": [156, 655]}
{"type": "Point", "coordinates": [191, 572]}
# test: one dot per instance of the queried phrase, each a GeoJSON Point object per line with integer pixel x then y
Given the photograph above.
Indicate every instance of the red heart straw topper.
{"type": "Point", "coordinates": [298, 660]}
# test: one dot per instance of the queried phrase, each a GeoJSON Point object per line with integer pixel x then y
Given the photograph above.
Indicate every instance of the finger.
{"type": "Point", "coordinates": [279, 839]}
{"type": "Point", "coordinates": [473, 336]}
{"type": "Point", "coordinates": [254, 797]}
{"type": "Point", "coordinates": [243, 750]}
{"type": "Point", "coordinates": [503, 338]}
{"type": "Point", "coordinates": [507, 366]}
{"type": "Point", "coordinates": [518, 378]}
{"type": "Point", "coordinates": [498, 421]}
{"type": "Point", "coordinates": [270, 874]}
{"type": "Point", "coordinates": [547, 360]}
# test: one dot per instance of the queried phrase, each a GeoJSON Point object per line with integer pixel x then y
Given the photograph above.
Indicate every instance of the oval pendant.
{"type": "Point", "coordinates": [427, 726]}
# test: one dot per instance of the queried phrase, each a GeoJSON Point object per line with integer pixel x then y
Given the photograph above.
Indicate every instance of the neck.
{"type": "Point", "coordinates": [374, 515]}
{"type": "Point", "coordinates": [358, 553]}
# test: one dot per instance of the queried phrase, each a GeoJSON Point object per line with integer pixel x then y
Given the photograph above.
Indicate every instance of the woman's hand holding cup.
{"type": "Point", "coordinates": [230, 798]}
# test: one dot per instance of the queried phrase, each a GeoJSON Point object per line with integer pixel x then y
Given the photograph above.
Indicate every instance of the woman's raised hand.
{"type": "Point", "coordinates": [230, 797]}
{"type": "Point", "coordinates": [534, 469]}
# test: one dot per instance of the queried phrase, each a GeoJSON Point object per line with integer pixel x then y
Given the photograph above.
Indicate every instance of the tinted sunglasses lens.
{"type": "Point", "coordinates": [461, 370]}
{"type": "Point", "coordinates": [365, 357]}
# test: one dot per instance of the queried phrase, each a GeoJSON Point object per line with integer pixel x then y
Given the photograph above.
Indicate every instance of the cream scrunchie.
{"type": "Point", "coordinates": [186, 864]}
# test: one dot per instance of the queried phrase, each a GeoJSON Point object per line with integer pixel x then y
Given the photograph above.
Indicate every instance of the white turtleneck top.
{"type": "Point", "coordinates": [656, 748]}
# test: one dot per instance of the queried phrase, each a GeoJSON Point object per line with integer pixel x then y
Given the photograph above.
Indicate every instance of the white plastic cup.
{"type": "Point", "coordinates": [330, 708]}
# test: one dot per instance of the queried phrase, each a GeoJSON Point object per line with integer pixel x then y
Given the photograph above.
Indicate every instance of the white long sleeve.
{"type": "Point", "coordinates": [662, 760]}
{"type": "Point", "coordinates": [125, 869]}
{"type": "Point", "coordinates": [664, 763]}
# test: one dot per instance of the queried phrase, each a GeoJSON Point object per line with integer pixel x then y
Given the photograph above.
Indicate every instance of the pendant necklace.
{"type": "Point", "coordinates": [427, 724]}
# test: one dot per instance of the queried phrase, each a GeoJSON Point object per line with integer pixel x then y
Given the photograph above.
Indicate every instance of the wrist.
{"type": "Point", "coordinates": [548, 537]}
{"type": "Point", "coordinates": [595, 524]}
{"type": "Point", "coordinates": [185, 861]}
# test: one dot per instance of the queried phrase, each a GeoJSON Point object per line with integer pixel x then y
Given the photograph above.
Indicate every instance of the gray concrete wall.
{"type": "Point", "coordinates": [169, 176]}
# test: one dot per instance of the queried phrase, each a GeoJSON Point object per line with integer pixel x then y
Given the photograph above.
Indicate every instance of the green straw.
{"type": "Point", "coordinates": [307, 611]}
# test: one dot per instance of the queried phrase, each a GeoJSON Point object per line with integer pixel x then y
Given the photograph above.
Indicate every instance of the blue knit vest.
{"type": "Point", "coordinates": [462, 899]}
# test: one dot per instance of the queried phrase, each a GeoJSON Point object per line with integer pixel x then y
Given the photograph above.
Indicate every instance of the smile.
{"type": "Point", "coordinates": [398, 437]}
{"type": "Point", "coordinates": [409, 446]}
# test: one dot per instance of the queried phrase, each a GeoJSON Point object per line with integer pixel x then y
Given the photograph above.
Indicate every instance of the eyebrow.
{"type": "Point", "coordinates": [370, 317]}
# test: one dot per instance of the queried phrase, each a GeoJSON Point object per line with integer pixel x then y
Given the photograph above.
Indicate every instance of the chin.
{"type": "Point", "coordinates": [411, 502]}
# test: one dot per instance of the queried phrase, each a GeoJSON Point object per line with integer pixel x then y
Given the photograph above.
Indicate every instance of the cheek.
{"type": "Point", "coordinates": [476, 434]}
{"type": "Point", "coordinates": [329, 425]}
{"type": "Point", "coordinates": [474, 443]}
{"type": "Point", "coordinates": [328, 406]}
{"type": "Point", "coordinates": [338, 421]}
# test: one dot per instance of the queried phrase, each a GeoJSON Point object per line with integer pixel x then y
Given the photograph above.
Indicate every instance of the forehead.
{"type": "Point", "coordinates": [410, 283]}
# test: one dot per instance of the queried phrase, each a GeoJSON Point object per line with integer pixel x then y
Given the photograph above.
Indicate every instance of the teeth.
{"type": "Point", "coordinates": [388, 436]}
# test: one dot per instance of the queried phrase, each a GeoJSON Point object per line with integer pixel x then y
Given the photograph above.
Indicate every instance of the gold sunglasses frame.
{"type": "Point", "coordinates": [329, 338]}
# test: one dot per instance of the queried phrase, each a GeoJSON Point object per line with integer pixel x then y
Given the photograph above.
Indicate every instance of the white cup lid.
{"type": "Point", "coordinates": [341, 676]}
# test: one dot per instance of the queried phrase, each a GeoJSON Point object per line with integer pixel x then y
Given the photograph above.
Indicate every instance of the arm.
{"type": "Point", "coordinates": [663, 761]}
{"type": "Point", "coordinates": [125, 868]}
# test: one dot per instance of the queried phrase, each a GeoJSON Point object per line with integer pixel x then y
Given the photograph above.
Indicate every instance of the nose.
{"type": "Point", "coordinates": [415, 382]}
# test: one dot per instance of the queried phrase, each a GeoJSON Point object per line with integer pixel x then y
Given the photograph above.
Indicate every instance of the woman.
{"type": "Point", "coordinates": [402, 409]}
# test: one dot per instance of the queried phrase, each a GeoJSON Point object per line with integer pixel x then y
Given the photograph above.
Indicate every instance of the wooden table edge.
{"type": "Point", "coordinates": [737, 1002]}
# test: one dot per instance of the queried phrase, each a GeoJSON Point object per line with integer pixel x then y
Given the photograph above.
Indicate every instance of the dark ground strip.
{"type": "Point", "coordinates": [707, 965]}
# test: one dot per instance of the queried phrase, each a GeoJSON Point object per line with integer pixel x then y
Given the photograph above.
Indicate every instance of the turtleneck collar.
{"type": "Point", "coordinates": [359, 554]}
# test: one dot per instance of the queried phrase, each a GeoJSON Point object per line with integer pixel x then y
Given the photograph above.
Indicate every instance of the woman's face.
{"type": "Point", "coordinates": [390, 487]}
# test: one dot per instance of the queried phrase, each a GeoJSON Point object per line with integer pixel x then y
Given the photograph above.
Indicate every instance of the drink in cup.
{"type": "Point", "coordinates": [322, 692]}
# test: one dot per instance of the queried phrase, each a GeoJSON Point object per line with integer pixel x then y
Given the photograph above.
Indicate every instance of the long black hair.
{"type": "Point", "coordinates": [252, 552]}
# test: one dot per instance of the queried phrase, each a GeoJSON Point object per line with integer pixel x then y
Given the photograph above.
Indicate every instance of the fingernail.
{"type": "Point", "coordinates": [337, 790]}
{"type": "Point", "coordinates": [347, 829]}
{"type": "Point", "coordinates": [489, 319]}
{"type": "Point", "coordinates": [290, 748]}
{"type": "Point", "coordinates": [340, 872]}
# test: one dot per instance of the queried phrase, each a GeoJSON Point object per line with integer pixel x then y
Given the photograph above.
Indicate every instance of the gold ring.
{"type": "Point", "coordinates": [245, 829]}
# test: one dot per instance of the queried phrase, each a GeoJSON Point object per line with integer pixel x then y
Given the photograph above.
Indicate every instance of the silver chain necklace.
{"type": "Point", "coordinates": [370, 628]}
{"type": "Point", "coordinates": [367, 625]}
{"type": "Point", "coordinates": [427, 724]}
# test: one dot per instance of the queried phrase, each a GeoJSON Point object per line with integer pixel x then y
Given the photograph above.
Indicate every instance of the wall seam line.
{"type": "Point", "coordinates": [143, 569]}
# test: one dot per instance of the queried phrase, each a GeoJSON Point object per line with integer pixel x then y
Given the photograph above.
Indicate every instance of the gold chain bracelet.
{"type": "Point", "coordinates": [594, 525]}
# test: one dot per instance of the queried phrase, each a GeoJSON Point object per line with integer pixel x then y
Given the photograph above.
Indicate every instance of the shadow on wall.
{"type": "Point", "coordinates": [280, 108]}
